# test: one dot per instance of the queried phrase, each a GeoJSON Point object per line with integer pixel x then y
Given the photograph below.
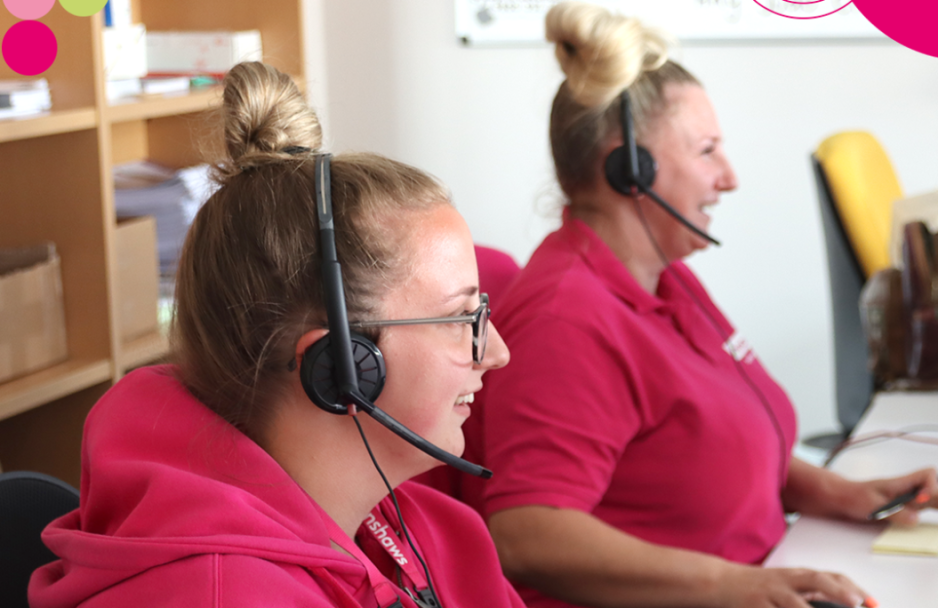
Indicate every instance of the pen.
{"type": "Point", "coordinates": [894, 506]}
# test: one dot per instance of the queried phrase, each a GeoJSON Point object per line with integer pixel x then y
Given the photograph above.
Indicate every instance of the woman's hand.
{"type": "Point", "coordinates": [815, 491]}
{"type": "Point", "coordinates": [862, 498]}
{"type": "Point", "coordinates": [745, 586]}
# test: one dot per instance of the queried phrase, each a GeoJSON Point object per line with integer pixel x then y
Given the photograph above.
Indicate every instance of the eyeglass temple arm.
{"type": "Point", "coordinates": [460, 319]}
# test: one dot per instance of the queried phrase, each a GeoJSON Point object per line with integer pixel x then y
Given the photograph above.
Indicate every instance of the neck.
{"type": "Point", "coordinates": [323, 452]}
{"type": "Point", "coordinates": [619, 226]}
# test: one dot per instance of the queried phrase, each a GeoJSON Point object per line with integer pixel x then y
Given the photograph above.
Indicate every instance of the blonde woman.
{"type": "Point", "coordinates": [643, 452]}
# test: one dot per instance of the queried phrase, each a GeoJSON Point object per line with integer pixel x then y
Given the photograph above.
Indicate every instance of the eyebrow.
{"type": "Point", "coordinates": [470, 290]}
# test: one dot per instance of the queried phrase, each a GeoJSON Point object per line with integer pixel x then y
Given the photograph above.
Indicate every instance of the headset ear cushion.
{"type": "Point", "coordinates": [647, 167]}
{"type": "Point", "coordinates": [617, 173]}
{"type": "Point", "coordinates": [317, 372]}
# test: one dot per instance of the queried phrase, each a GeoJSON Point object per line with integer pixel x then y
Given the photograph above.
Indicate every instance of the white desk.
{"type": "Point", "coordinates": [896, 581]}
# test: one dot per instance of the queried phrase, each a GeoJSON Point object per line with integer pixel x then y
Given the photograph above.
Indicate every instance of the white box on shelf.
{"type": "Point", "coordinates": [125, 52]}
{"type": "Point", "coordinates": [173, 53]}
{"type": "Point", "coordinates": [119, 89]}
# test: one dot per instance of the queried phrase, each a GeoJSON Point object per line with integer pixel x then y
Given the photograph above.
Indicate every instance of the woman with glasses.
{"type": "Point", "coordinates": [215, 481]}
{"type": "Point", "coordinates": [643, 453]}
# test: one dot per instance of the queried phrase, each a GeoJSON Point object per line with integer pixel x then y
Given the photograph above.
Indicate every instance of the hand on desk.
{"type": "Point", "coordinates": [812, 490]}
{"type": "Point", "coordinates": [756, 587]}
{"type": "Point", "coordinates": [866, 497]}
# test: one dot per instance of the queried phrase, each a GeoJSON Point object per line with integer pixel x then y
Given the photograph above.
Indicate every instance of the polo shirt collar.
{"type": "Point", "coordinates": [607, 267]}
{"type": "Point", "coordinates": [620, 282]}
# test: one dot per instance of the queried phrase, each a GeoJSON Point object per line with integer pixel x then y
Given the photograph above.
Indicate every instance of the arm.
{"type": "Point", "coordinates": [815, 491]}
{"type": "Point", "coordinates": [576, 557]}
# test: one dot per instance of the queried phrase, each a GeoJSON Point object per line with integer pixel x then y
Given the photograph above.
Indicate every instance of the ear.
{"type": "Point", "coordinates": [307, 340]}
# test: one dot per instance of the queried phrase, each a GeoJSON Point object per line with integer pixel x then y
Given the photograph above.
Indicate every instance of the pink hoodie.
{"type": "Point", "coordinates": [178, 508]}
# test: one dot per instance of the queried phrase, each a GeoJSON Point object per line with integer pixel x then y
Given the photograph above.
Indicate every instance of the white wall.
{"type": "Point", "coordinates": [398, 82]}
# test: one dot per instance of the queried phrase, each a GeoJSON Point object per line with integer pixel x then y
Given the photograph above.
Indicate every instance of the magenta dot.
{"type": "Point", "coordinates": [29, 48]}
{"type": "Point", "coordinates": [911, 23]}
{"type": "Point", "coordinates": [29, 9]}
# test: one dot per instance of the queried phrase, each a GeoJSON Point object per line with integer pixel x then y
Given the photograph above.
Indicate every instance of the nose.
{"type": "Point", "coordinates": [727, 179]}
{"type": "Point", "coordinates": [496, 351]}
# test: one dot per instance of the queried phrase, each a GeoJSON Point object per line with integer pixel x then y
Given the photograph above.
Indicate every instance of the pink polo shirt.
{"type": "Point", "coordinates": [630, 406]}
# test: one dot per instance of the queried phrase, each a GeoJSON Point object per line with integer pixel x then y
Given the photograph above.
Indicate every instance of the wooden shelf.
{"type": "Point", "coordinates": [143, 350]}
{"type": "Point", "coordinates": [47, 123]}
{"type": "Point", "coordinates": [157, 106]}
{"type": "Point", "coordinates": [21, 394]}
{"type": "Point", "coordinates": [56, 184]}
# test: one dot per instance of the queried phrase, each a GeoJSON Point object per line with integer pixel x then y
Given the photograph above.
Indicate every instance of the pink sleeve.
{"type": "Point", "coordinates": [557, 418]}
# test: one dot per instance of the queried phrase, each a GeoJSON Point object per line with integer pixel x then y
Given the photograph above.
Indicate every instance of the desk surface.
{"type": "Point", "coordinates": [897, 581]}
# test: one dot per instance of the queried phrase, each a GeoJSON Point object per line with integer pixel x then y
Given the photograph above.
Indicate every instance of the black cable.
{"type": "Point", "coordinates": [397, 508]}
{"type": "Point", "coordinates": [763, 400]}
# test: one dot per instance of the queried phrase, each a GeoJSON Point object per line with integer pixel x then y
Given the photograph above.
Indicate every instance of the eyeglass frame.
{"type": "Point", "coordinates": [479, 319]}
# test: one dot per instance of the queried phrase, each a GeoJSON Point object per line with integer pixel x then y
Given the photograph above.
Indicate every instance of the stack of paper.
{"type": "Point", "coordinates": [24, 97]}
{"type": "Point", "coordinates": [921, 539]}
{"type": "Point", "coordinates": [172, 197]}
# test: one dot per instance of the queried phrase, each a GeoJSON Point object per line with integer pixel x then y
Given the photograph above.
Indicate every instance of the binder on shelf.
{"type": "Point", "coordinates": [117, 13]}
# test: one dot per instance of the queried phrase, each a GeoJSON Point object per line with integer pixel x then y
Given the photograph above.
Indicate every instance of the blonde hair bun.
{"type": "Point", "coordinates": [266, 118]}
{"type": "Point", "coordinates": [602, 53]}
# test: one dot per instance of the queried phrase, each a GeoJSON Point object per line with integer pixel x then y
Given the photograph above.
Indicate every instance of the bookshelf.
{"type": "Point", "coordinates": [55, 171]}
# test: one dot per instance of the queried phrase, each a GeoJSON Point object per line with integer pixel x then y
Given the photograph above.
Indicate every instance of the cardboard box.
{"type": "Point", "coordinates": [32, 315]}
{"type": "Point", "coordinates": [214, 53]}
{"type": "Point", "coordinates": [138, 282]}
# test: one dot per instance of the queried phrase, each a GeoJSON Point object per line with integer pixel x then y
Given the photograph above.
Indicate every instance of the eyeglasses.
{"type": "Point", "coordinates": [479, 319]}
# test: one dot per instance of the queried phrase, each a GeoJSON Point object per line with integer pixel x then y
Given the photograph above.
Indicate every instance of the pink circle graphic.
{"type": "Point", "coordinates": [911, 23]}
{"type": "Point", "coordinates": [29, 9]}
{"type": "Point", "coordinates": [838, 9]}
{"type": "Point", "coordinates": [29, 48]}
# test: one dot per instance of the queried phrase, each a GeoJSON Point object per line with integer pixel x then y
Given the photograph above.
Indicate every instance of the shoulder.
{"type": "Point", "coordinates": [434, 505]}
{"type": "Point", "coordinates": [496, 260]}
{"type": "Point", "coordinates": [447, 523]}
{"type": "Point", "coordinates": [457, 547]}
{"type": "Point", "coordinates": [215, 581]}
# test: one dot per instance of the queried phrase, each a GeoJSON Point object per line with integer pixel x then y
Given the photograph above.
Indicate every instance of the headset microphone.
{"type": "Point", "coordinates": [639, 169]}
{"type": "Point", "coordinates": [345, 369]}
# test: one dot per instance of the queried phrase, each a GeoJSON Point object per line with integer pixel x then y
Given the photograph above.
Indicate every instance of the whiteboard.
{"type": "Point", "coordinates": [481, 22]}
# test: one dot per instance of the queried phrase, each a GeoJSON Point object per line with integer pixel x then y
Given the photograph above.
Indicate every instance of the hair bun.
{"type": "Point", "coordinates": [602, 53]}
{"type": "Point", "coordinates": [266, 118]}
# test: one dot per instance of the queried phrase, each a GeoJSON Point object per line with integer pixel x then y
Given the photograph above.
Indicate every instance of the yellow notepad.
{"type": "Point", "coordinates": [918, 540]}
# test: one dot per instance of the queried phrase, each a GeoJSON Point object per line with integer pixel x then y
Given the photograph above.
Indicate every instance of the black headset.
{"type": "Point", "coordinates": [631, 169]}
{"type": "Point", "coordinates": [344, 368]}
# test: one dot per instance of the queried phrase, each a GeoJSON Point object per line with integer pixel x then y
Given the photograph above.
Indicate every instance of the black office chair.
{"type": "Point", "coordinates": [853, 380]}
{"type": "Point", "coordinates": [28, 502]}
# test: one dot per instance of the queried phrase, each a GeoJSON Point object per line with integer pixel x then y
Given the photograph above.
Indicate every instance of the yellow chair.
{"type": "Point", "coordinates": [864, 186]}
{"type": "Point", "coordinates": [856, 188]}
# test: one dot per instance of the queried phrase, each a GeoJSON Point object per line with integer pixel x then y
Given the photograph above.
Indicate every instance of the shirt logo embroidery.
{"type": "Point", "coordinates": [387, 540]}
{"type": "Point", "coordinates": [738, 348]}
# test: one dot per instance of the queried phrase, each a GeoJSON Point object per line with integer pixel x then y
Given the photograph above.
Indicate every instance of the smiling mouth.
{"type": "Point", "coordinates": [466, 399]}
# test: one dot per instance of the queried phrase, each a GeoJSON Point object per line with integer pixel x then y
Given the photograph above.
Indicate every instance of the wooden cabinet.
{"type": "Point", "coordinates": [56, 185]}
